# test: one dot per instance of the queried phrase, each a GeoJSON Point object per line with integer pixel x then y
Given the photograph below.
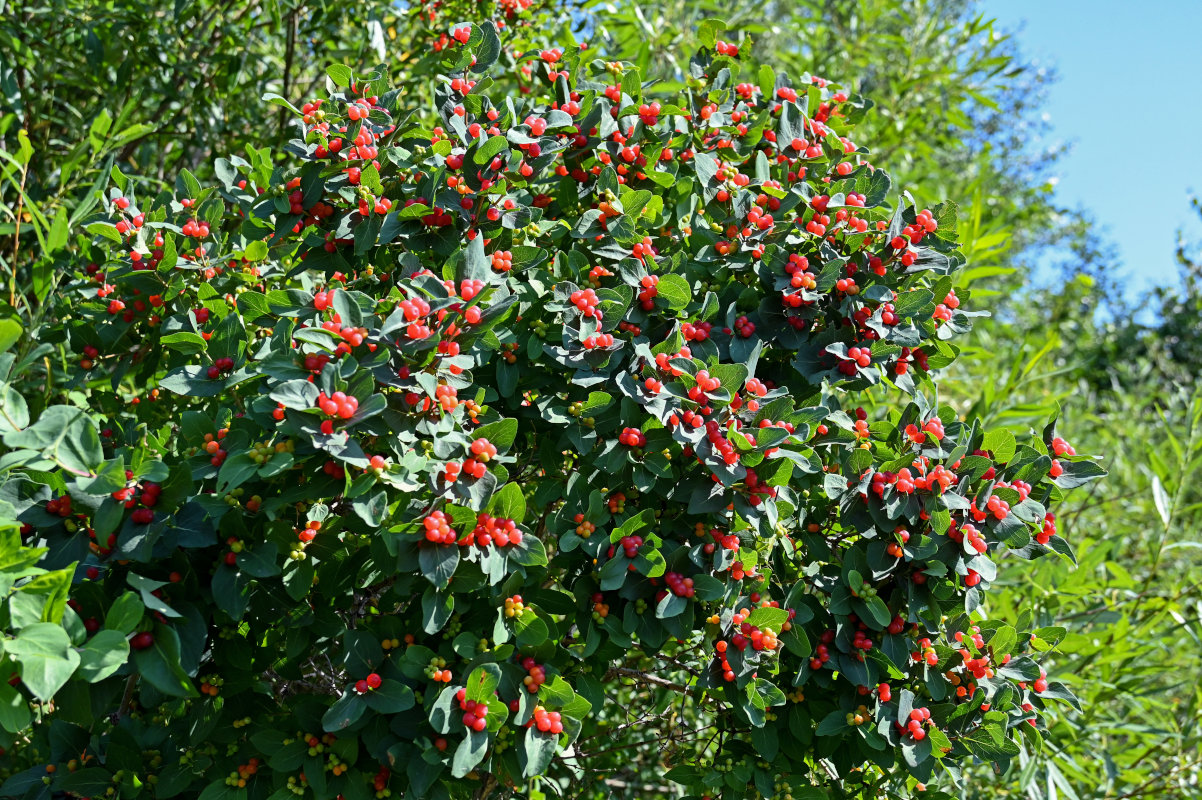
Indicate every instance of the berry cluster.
{"type": "Point", "coordinates": [438, 528]}
{"type": "Point", "coordinates": [492, 530]}
{"type": "Point", "coordinates": [475, 713]}
{"type": "Point", "coordinates": [59, 506]}
{"type": "Point", "coordinates": [586, 302]}
{"type": "Point", "coordinates": [339, 404]}
{"type": "Point", "coordinates": [535, 676]}
{"type": "Point", "coordinates": [546, 721]}
{"type": "Point", "coordinates": [584, 528]}
{"type": "Point", "coordinates": [914, 726]}
{"type": "Point", "coordinates": [678, 584]}
{"type": "Point", "coordinates": [371, 682]}
{"type": "Point", "coordinates": [514, 606]}
{"type": "Point", "coordinates": [630, 545]}
{"type": "Point", "coordinates": [436, 670]}
{"type": "Point", "coordinates": [600, 607]}
{"type": "Point", "coordinates": [632, 437]}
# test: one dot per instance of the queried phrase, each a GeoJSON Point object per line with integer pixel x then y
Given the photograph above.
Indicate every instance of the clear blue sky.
{"type": "Point", "coordinates": [1128, 99]}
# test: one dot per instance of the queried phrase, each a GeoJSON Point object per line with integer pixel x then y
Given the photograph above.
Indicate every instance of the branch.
{"type": "Point", "coordinates": [126, 699]}
{"type": "Point", "coordinates": [645, 677]}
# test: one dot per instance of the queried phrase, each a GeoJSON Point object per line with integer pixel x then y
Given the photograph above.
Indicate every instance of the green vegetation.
{"type": "Point", "coordinates": [125, 95]}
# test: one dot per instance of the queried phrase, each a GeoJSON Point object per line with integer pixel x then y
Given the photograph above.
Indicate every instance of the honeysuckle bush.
{"type": "Point", "coordinates": [516, 444]}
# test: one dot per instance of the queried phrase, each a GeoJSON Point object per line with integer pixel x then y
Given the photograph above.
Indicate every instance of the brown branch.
{"type": "Point", "coordinates": [645, 677]}
{"type": "Point", "coordinates": [127, 698]}
{"type": "Point", "coordinates": [486, 786]}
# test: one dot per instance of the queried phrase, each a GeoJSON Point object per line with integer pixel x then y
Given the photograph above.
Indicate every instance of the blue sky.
{"type": "Point", "coordinates": [1128, 99]}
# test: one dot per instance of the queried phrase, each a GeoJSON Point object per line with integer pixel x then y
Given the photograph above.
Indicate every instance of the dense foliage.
{"type": "Point", "coordinates": [515, 438]}
{"type": "Point", "coordinates": [1134, 653]}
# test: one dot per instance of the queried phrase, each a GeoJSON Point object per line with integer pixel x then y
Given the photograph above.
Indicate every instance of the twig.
{"type": "Point", "coordinates": [127, 698]}
{"type": "Point", "coordinates": [1139, 790]}
{"type": "Point", "coordinates": [486, 787]}
{"type": "Point", "coordinates": [646, 678]}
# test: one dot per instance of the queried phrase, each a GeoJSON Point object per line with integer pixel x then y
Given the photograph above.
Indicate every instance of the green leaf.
{"type": "Point", "coordinates": [596, 403]}
{"type": "Point", "coordinates": [50, 589]}
{"type": "Point", "coordinates": [344, 713]}
{"type": "Point", "coordinates": [469, 753]}
{"type": "Point", "coordinates": [98, 130]}
{"type": "Point", "coordinates": [684, 774]}
{"type": "Point", "coordinates": [437, 608]}
{"type": "Point", "coordinates": [14, 411]}
{"type": "Point", "coordinates": [132, 133]}
{"type": "Point", "coordinates": [1003, 640]}
{"type": "Point", "coordinates": [170, 255]}
{"type": "Point", "coordinates": [675, 291]}
{"type": "Point", "coordinates": [253, 306]}
{"type": "Point", "coordinates": [438, 562]}
{"type": "Point", "coordinates": [707, 31]}
{"type": "Point", "coordinates": [768, 617]}
{"type": "Point", "coordinates": [146, 587]}
{"type": "Point", "coordinates": [220, 790]}
{"type": "Point", "coordinates": [832, 723]}
{"type": "Point", "coordinates": [255, 251]}
{"type": "Point", "coordinates": [87, 782]}
{"type": "Point", "coordinates": [1058, 691]}
{"type": "Point", "coordinates": [509, 503]}
{"type": "Point", "coordinates": [103, 655]}
{"type": "Point", "coordinates": [15, 715]}
{"type": "Point", "coordinates": [370, 177]}
{"type": "Point", "coordinates": [276, 100]}
{"type": "Point", "coordinates": [670, 606]}
{"type": "Point", "coordinates": [125, 613]}
{"type": "Point", "coordinates": [989, 743]}
{"type": "Point", "coordinates": [531, 631]}
{"type": "Point", "coordinates": [877, 610]}
{"type": "Point", "coordinates": [43, 652]}
{"type": "Point", "coordinates": [65, 435]}
{"type": "Point", "coordinates": [1079, 473]}
{"type": "Point", "coordinates": [297, 394]}
{"type": "Point", "coordinates": [530, 553]}
{"type": "Point", "coordinates": [340, 74]}
{"type": "Point", "coordinates": [1001, 443]}
{"type": "Point", "coordinates": [490, 47]}
{"type": "Point", "coordinates": [501, 433]}
{"type": "Point", "coordinates": [104, 230]}
{"type": "Point", "coordinates": [917, 302]}
{"type": "Point", "coordinates": [707, 587]}
{"type": "Point", "coordinates": [476, 266]}
{"type": "Point", "coordinates": [160, 664]}
{"type": "Point", "coordinates": [391, 697]}
{"type": "Point", "coordinates": [261, 561]}
{"type": "Point", "coordinates": [493, 146]}
{"type": "Point", "coordinates": [1164, 506]}
{"type": "Point", "coordinates": [56, 239]}
{"type": "Point", "coordinates": [1049, 637]}
{"type": "Point", "coordinates": [613, 574]}
{"type": "Point", "coordinates": [483, 682]}
{"type": "Point", "coordinates": [235, 471]}
{"type": "Point", "coordinates": [537, 750]}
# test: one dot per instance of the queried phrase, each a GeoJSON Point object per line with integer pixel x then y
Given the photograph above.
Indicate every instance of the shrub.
{"type": "Point", "coordinates": [517, 445]}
